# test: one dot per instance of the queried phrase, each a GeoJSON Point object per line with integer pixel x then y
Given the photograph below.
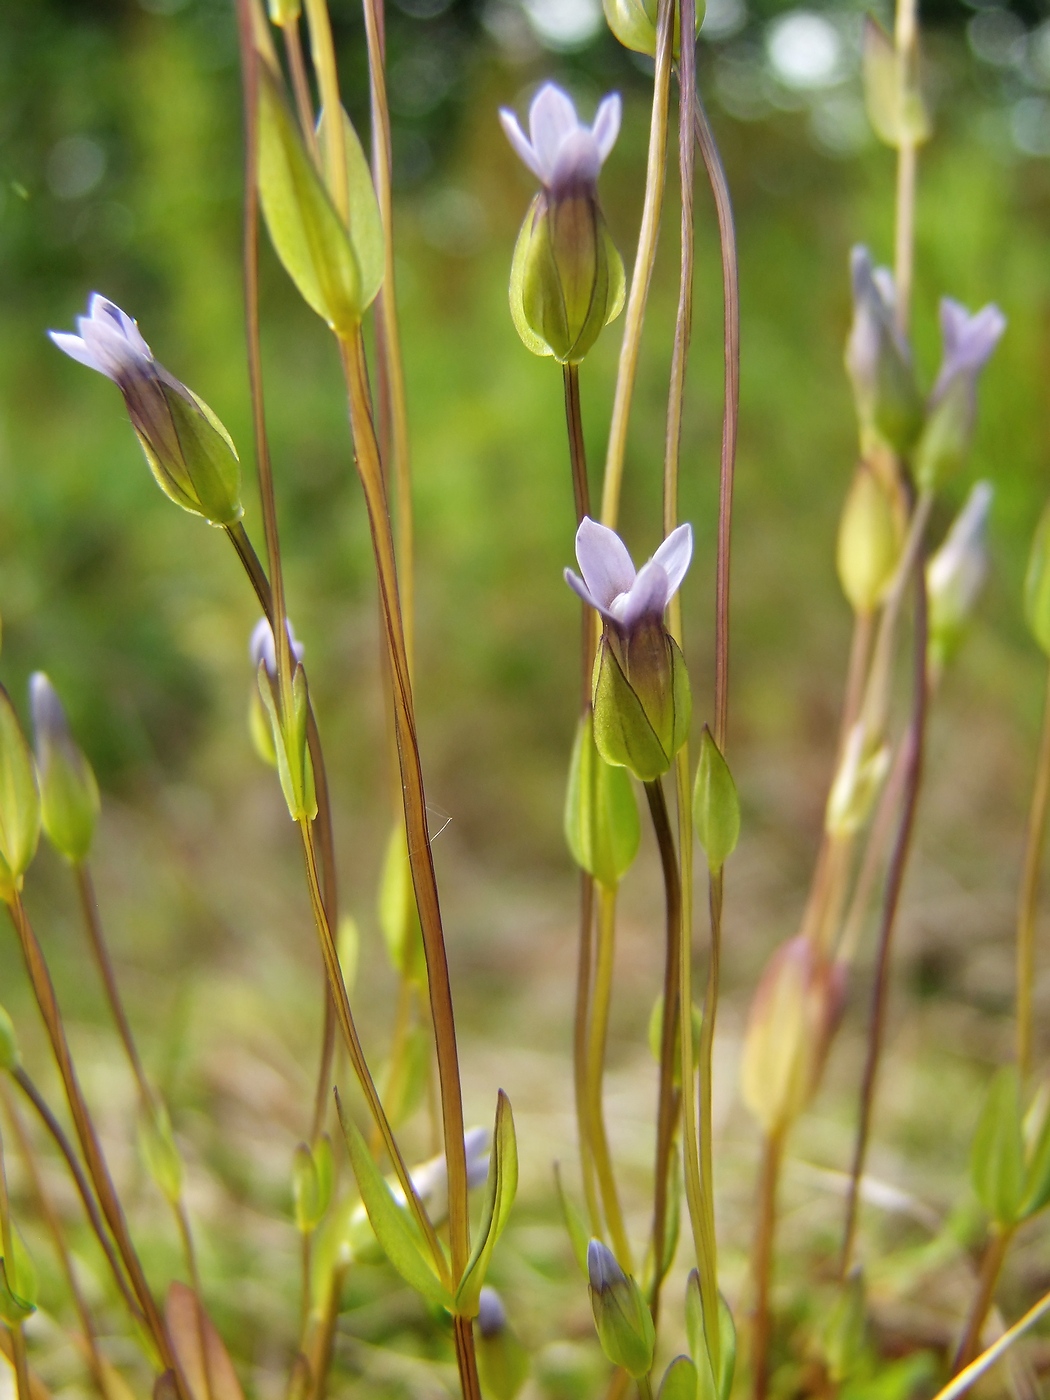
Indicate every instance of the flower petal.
{"type": "Point", "coordinates": [552, 117]}
{"type": "Point", "coordinates": [520, 141]}
{"type": "Point", "coordinates": [107, 312]}
{"type": "Point", "coordinates": [647, 597]}
{"type": "Point", "coordinates": [576, 165]}
{"type": "Point", "coordinates": [578, 586]}
{"type": "Point", "coordinates": [116, 355]}
{"type": "Point", "coordinates": [606, 126]}
{"type": "Point", "coordinates": [74, 347]}
{"type": "Point", "coordinates": [675, 555]}
{"type": "Point", "coordinates": [604, 561]}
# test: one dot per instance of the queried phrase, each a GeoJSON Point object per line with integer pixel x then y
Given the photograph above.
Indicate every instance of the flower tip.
{"type": "Point", "coordinates": [603, 1272]}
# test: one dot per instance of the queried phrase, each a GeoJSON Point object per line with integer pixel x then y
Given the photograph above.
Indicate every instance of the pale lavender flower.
{"type": "Point", "coordinates": [563, 153]}
{"type": "Point", "coordinates": [955, 575]}
{"type": "Point", "coordinates": [952, 409]}
{"type": "Point", "coordinates": [878, 358]}
{"type": "Point", "coordinates": [189, 451]}
{"type": "Point", "coordinates": [968, 345]}
{"type": "Point", "coordinates": [624, 596]}
{"type": "Point", "coordinates": [263, 649]}
{"type": "Point", "coordinates": [492, 1315]}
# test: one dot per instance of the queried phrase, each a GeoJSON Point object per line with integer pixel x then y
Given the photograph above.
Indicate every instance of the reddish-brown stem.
{"type": "Point", "coordinates": [762, 1262]}
{"type": "Point", "coordinates": [912, 763]}
{"type": "Point", "coordinates": [987, 1278]}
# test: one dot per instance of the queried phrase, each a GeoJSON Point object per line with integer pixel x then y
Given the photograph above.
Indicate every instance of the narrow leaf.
{"type": "Point", "coordinates": [499, 1197]}
{"type": "Point", "coordinates": [680, 1381]}
{"type": "Point", "coordinates": [579, 1235]}
{"type": "Point", "coordinates": [394, 1228]}
{"type": "Point", "coordinates": [997, 1160]}
{"type": "Point", "coordinates": [208, 1371]}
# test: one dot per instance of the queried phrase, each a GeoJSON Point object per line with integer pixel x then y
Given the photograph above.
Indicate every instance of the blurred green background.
{"type": "Point", "coordinates": [120, 171]}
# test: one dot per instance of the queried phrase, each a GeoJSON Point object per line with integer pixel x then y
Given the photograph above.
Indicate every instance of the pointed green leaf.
{"type": "Point", "coordinates": [716, 807]}
{"type": "Point", "coordinates": [601, 814]}
{"type": "Point", "coordinates": [694, 1325]}
{"type": "Point", "coordinates": [160, 1156]}
{"type": "Point", "coordinates": [398, 914]}
{"type": "Point", "coordinates": [307, 233]}
{"type": "Point", "coordinates": [9, 1056]}
{"type": "Point", "coordinates": [997, 1160]}
{"type": "Point", "coordinates": [1037, 584]}
{"type": "Point", "coordinates": [18, 1282]}
{"type": "Point", "coordinates": [499, 1197]}
{"type": "Point", "coordinates": [394, 1228]}
{"type": "Point", "coordinates": [680, 1381]}
{"type": "Point", "coordinates": [518, 268]}
{"type": "Point", "coordinates": [891, 91]}
{"type": "Point", "coordinates": [366, 223]}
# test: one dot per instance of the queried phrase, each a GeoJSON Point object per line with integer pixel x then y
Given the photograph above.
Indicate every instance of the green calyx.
{"type": "Point", "coordinates": [196, 465]}
{"type": "Point", "coordinates": [601, 814]}
{"type": "Point", "coordinates": [567, 279]}
{"type": "Point", "coordinates": [634, 24]}
{"type": "Point", "coordinates": [294, 767]}
{"type": "Point", "coordinates": [19, 803]}
{"type": "Point", "coordinates": [642, 700]}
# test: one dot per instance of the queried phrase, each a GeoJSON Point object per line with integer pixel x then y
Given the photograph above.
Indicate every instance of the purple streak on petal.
{"type": "Point", "coordinates": [578, 586]}
{"type": "Point", "coordinates": [552, 117]}
{"type": "Point", "coordinates": [74, 347]}
{"type": "Point", "coordinates": [604, 561]}
{"type": "Point", "coordinates": [262, 648]}
{"type": "Point", "coordinates": [606, 126]}
{"type": "Point", "coordinates": [104, 311]}
{"type": "Point", "coordinates": [675, 555]}
{"type": "Point", "coordinates": [603, 1272]}
{"type": "Point", "coordinates": [116, 355]}
{"type": "Point", "coordinates": [647, 597]}
{"type": "Point", "coordinates": [520, 142]}
{"type": "Point", "coordinates": [576, 165]}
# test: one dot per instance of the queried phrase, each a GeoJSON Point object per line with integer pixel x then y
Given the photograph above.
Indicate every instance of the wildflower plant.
{"type": "Point", "coordinates": [328, 211]}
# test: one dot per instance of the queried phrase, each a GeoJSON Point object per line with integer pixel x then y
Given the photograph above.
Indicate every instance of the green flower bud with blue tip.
{"type": "Point", "coordinates": [567, 279]}
{"type": "Point", "coordinates": [879, 362]}
{"type": "Point", "coordinates": [642, 701]}
{"type": "Point", "coordinates": [294, 767]}
{"type": "Point", "coordinates": [503, 1363]}
{"type": "Point", "coordinates": [69, 800]}
{"type": "Point", "coordinates": [190, 453]}
{"type": "Point", "coordinates": [952, 408]}
{"type": "Point", "coordinates": [621, 1314]}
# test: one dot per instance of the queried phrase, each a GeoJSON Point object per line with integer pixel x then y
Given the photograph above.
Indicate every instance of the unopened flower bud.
{"type": "Point", "coordinates": [955, 576]}
{"type": "Point", "coordinates": [861, 772]}
{"type": "Point", "coordinates": [288, 729]}
{"type": "Point", "coordinates": [190, 453]}
{"type": "Point", "coordinates": [642, 701]}
{"type": "Point", "coordinates": [870, 540]}
{"type": "Point", "coordinates": [567, 279]}
{"type": "Point", "coordinates": [621, 1314]}
{"type": "Point", "coordinates": [503, 1362]}
{"type": "Point", "coordinates": [19, 802]}
{"type": "Point", "coordinates": [69, 800]}
{"type": "Point", "coordinates": [794, 1014]}
{"type": "Point", "coordinates": [952, 408]}
{"type": "Point", "coordinates": [634, 23]}
{"type": "Point", "coordinates": [879, 361]}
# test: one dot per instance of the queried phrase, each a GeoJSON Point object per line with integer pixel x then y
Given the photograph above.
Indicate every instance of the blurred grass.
{"type": "Point", "coordinates": [139, 614]}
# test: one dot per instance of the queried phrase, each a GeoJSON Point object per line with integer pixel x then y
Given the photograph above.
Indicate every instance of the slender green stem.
{"type": "Point", "coordinates": [293, 47]}
{"type": "Point", "coordinates": [109, 1201]}
{"type": "Point", "coordinates": [322, 50]}
{"type": "Point", "coordinates": [684, 319]}
{"type": "Point", "coordinates": [54, 1225]}
{"type": "Point", "coordinates": [323, 828]}
{"type": "Point", "coordinates": [987, 1278]}
{"type": "Point", "coordinates": [583, 1069]}
{"type": "Point", "coordinates": [976, 1369]}
{"type": "Point", "coordinates": [668, 1098]}
{"type": "Point", "coordinates": [762, 1261]}
{"type": "Point", "coordinates": [731, 348]}
{"type": "Point", "coordinates": [599, 1028]}
{"type": "Point", "coordinates": [148, 1100]}
{"type": "Point", "coordinates": [424, 878]}
{"type": "Point", "coordinates": [913, 762]}
{"type": "Point", "coordinates": [645, 1387]}
{"type": "Point", "coordinates": [357, 1056]}
{"type": "Point", "coordinates": [645, 258]}
{"type": "Point", "coordinates": [83, 1186]}
{"type": "Point", "coordinates": [18, 1339]}
{"type": "Point", "coordinates": [1035, 841]}
{"type": "Point", "coordinates": [584, 959]}
{"type": "Point", "coordinates": [388, 333]}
